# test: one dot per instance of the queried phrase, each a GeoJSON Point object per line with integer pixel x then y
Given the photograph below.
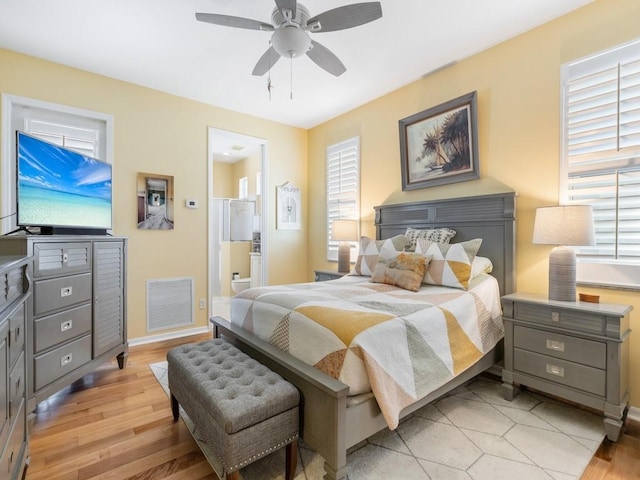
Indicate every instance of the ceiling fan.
{"type": "Point", "coordinates": [291, 24]}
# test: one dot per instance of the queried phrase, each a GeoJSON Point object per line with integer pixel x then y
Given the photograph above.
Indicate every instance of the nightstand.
{"type": "Point", "coordinates": [323, 275]}
{"type": "Point", "coordinates": [574, 350]}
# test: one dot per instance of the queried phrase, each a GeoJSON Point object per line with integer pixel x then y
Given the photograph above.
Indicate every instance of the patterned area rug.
{"type": "Point", "coordinates": [470, 434]}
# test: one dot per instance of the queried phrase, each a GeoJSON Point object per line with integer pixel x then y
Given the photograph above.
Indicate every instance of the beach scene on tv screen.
{"type": "Point", "coordinates": [62, 188]}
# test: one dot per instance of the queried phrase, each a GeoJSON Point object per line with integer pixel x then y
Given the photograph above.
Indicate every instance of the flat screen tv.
{"type": "Point", "coordinates": [61, 191]}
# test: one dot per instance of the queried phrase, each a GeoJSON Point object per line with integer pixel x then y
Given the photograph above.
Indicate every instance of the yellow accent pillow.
{"type": "Point", "coordinates": [406, 271]}
{"type": "Point", "coordinates": [450, 264]}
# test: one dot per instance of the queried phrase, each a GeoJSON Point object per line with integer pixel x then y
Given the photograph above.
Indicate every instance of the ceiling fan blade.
{"type": "Point", "coordinates": [290, 5]}
{"type": "Point", "coordinates": [325, 59]}
{"type": "Point", "coordinates": [266, 62]}
{"type": "Point", "coordinates": [236, 22]}
{"type": "Point", "coordinates": [345, 17]}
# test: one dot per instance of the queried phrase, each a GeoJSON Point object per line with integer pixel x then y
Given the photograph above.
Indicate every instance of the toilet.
{"type": "Point", "coordinates": [240, 284]}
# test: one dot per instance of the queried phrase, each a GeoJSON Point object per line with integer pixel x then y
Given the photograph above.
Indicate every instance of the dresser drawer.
{"type": "Point", "coordinates": [61, 258]}
{"type": "Point", "coordinates": [56, 293]}
{"type": "Point", "coordinates": [16, 387]}
{"type": "Point", "coordinates": [61, 327]}
{"type": "Point", "coordinates": [56, 363]}
{"type": "Point", "coordinates": [562, 318]}
{"type": "Point", "coordinates": [14, 451]}
{"type": "Point", "coordinates": [16, 333]}
{"type": "Point", "coordinates": [560, 371]}
{"type": "Point", "coordinates": [565, 347]}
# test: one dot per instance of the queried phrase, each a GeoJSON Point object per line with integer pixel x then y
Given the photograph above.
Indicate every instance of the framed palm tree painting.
{"type": "Point", "coordinates": [440, 145]}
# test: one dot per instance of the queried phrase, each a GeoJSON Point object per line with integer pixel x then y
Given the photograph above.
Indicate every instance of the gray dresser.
{"type": "Point", "coordinates": [13, 420]}
{"type": "Point", "coordinates": [575, 350]}
{"type": "Point", "coordinates": [76, 318]}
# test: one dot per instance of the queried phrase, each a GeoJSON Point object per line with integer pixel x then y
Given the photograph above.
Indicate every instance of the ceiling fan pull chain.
{"type": "Point", "coordinates": [290, 77]}
{"type": "Point", "coordinates": [269, 77]}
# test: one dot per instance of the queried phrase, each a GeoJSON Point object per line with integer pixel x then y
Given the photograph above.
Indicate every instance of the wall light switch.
{"type": "Point", "coordinates": [191, 203]}
{"type": "Point", "coordinates": [203, 304]}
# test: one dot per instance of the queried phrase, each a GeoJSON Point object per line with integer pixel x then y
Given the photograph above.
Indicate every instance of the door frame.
{"type": "Point", "coordinates": [212, 132]}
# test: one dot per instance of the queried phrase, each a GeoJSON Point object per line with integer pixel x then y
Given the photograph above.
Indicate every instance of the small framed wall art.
{"type": "Point", "coordinates": [288, 211]}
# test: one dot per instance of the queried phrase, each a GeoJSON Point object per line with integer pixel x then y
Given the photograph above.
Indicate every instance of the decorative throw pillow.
{"type": "Point", "coordinates": [450, 264]}
{"type": "Point", "coordinates": [406, 271]}
{"type": "Point", "coordinates": [370, 250]}
{"type": "Point", "coordinates": [439, 235]}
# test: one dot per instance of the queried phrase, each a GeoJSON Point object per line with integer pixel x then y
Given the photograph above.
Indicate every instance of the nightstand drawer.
{"type": "Point", "coordinates": [565, 347]}
{"type": "Point", "coordinates": [571, 374]}
{"type": "Point", "coordinates": [562, 318]}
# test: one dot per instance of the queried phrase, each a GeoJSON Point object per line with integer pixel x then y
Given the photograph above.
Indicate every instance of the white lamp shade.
{"type": "Point", "coordinates": [564, 225]}
{"type": "Point", "coordinates": [344, 230]}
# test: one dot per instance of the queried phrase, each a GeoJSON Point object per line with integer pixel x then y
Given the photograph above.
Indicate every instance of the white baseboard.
{"type": "Point", "coordinates": [169, 336]}
{"type": "Point", "coordinates": [634, 413]}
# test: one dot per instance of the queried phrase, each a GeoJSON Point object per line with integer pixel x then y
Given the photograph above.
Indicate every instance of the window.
{"type": "Point", "coordinates": [243, 187]}
{"type": "Point", "coordinates": [343, 187]}
{"type": "Point", "coordinates": [601, 160]}
{"type": "Point", "coordinates": [85, 131]}
{"type": "Point", "coordinates": [82, 140]}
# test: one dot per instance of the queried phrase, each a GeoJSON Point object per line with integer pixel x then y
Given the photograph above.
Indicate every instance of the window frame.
{"type": "Point", "coordinates": [595, 268]}
{"type": "Point", "coordinates": [352, 210]}
{"type": "Point", "coordinates": [13, 119]}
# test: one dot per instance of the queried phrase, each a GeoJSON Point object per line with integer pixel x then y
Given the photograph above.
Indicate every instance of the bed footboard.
{"type": "Point", "coordinates": [323, 404]}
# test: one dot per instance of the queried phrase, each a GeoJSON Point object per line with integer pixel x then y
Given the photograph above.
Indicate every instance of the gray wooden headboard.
{"type": "Point", "coordinates": [490, 217]}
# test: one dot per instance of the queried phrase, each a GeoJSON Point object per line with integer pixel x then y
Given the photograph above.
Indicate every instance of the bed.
{"type": "Point", "coordinates": [331, 422]}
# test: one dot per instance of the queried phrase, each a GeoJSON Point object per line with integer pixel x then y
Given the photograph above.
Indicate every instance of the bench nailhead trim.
{"type": "Point", "coordinates": [260, 455]}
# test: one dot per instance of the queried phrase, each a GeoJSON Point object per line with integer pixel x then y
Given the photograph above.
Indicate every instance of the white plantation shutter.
{"type": "Point", "coordinates": [601, 149]}
{"type": "Point", "coordinates": [343, 187]}
{"type": "Point", "coordinates": [85, 141]}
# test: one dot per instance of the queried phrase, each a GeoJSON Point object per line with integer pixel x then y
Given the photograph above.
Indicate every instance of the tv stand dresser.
{"type": "Point", "coordinates": [76, 318]}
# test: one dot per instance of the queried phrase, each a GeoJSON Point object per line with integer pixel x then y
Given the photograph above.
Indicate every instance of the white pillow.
{"type": "Point", "coordinates": [481, 265]}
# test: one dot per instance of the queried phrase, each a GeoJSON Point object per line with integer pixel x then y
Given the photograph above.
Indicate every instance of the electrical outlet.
{"type": "Point", "coordinates": [203, 303]}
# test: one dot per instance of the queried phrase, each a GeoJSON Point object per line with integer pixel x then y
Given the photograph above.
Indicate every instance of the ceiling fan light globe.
{"type": "Point", "coordinates": [290, 41]}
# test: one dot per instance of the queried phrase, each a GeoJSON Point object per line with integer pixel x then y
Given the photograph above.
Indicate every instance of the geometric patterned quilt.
{"type": "Point", "coordinates": [400, 345]}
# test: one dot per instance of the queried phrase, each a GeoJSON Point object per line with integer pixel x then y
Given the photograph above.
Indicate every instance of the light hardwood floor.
{"type": "Point", "coordinates": [117, 424]}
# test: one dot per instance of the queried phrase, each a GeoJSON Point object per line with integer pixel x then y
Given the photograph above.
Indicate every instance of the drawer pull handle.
{"type": "Point", "coordinates": [68, 325]}
{"type": "Point", "coordinates": [65, 257]}
{"type": "Point", "coordinates": [66, 291]}
{"type": "Point", "coordinates": [555, 370]}
{"type": "Point", "coordinates": [18, 386]}
{"type": "Point", "coordinates": [555, 316]}
{"type": "Point", "coordinates": [66, 360]}
{"type": "Point", "coordinates": [554, 345]}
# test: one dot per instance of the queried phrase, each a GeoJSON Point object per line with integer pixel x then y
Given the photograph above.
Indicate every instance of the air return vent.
{"type": "Point", "coordinates": [169, 303]}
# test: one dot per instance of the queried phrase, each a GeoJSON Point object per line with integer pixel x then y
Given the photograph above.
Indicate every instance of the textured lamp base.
{"type": "Point", "coordinates": [344, 257]}
{"type": "Point", "coordinates": [562, 274]}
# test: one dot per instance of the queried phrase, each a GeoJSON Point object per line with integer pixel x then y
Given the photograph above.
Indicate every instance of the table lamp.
{"type": "Point", "coordinates": [344, 231]}
{"type": "Point", "coordinates": [563, 226]}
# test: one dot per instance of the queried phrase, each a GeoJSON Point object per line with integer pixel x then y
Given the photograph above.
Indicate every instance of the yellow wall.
{"type": "Point", "coordinates": [518, 85]}
{"type": "Point", "coordinates": [223, 180]}
{"type": "Point", "coordinates": [247, 167]}
{"type": "Point", "coordinates": [165, 134]}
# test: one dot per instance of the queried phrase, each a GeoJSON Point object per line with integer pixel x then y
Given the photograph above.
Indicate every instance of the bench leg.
{"type": "Point", "coordinates": [292, 460]}
{"type": "Point", "coordinates": [175, 408]}
{"type": "Point", "coordinates": [234, 475]}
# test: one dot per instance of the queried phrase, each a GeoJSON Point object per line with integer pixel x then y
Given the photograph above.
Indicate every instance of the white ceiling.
{"type": "Point", "coordinates": [159, 44]}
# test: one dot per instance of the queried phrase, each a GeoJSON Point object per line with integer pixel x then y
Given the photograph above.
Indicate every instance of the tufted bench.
{"type": "Point", "coordinates": [242, 409]}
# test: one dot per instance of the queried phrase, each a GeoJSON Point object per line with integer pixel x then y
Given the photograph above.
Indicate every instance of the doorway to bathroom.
{"type": "Point", "coordinates": [237, 206]}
